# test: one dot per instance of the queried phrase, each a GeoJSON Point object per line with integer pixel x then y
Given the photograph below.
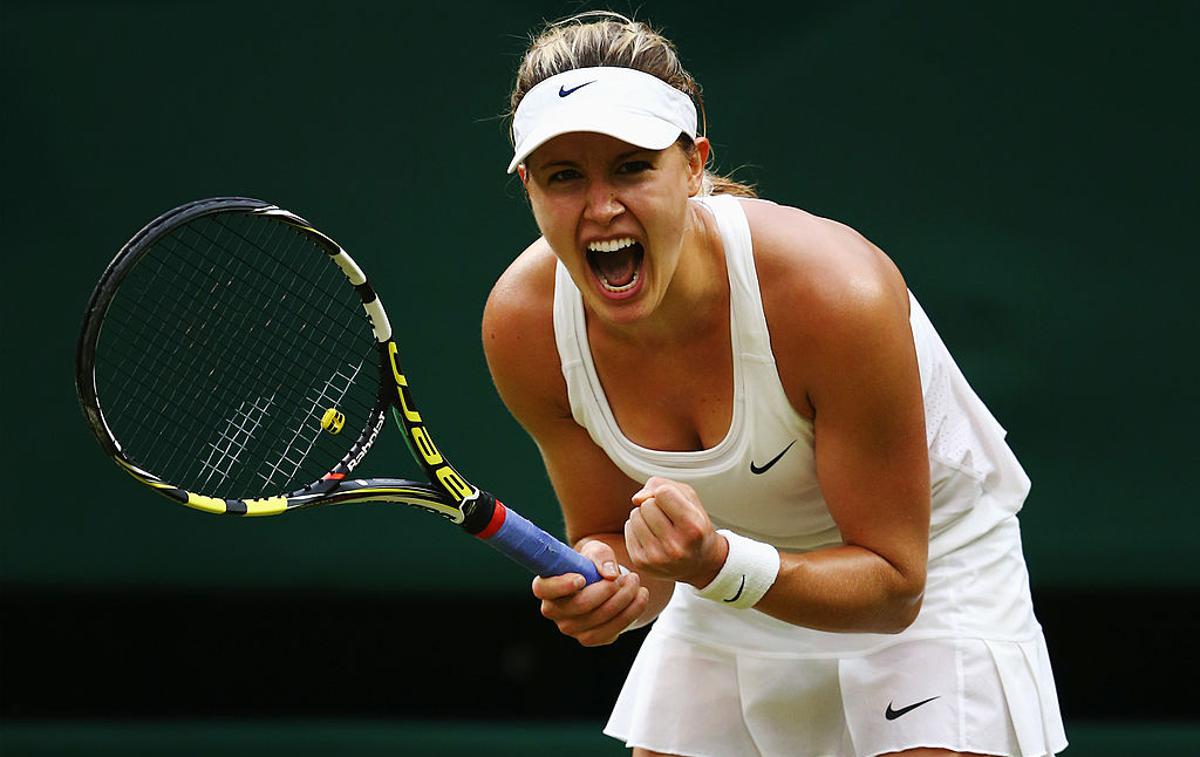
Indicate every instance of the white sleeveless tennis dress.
{"type": "Point", "coordinates": [971, 673]}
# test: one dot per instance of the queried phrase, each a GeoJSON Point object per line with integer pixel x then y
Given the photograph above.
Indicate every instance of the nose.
{"type": "Point", "coordinates": [602, 203]}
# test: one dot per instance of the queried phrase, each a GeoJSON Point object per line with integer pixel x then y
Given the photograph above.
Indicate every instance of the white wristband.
{"type": "Point", "coordinates": [749, 570]}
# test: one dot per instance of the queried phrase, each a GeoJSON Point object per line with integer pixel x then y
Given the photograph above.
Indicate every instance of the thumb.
{"type": "Point", "coordinates": [604, 557]}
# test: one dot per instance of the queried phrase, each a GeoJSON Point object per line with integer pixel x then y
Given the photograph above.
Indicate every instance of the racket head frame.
{"type": "Point", "coordinates": [447, 494]}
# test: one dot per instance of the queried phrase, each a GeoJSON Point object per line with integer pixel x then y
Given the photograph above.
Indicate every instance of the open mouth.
{"type": "Point", "coordinates": [617, 264]}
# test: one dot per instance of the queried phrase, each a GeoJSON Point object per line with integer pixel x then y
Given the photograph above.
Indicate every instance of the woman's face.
{"type": "Point", "coordinates": [615, 215]}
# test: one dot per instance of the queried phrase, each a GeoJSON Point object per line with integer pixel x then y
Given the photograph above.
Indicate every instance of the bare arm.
{"type": "Point", "coordinates": [593, 493]}
{"type": "Point", "coordinates": [851, 366]}
{"type": "Point", "coordinates": [872, 464]}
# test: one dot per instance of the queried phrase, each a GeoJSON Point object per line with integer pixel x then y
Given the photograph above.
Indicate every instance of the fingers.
{"type": "Point", "coordinates": [668, 534]}
{"type": "Point", "coordinates": [657, 557]}
{"type": "Point", "coordinates": [653, 484]}
{"type": "Point", "coordinates": [608, 632]}
{"type": "Point", "coordinates": [633, 544]}
{"type": "Point", "coordinates": [604, 557]}
{"type": "Point", "coordinates": [605, 622]}
{"type": "Point", "coordinates": [647, 553]}
{"type": "Point", "coordinates": [557, 587]}
{"type": "Point", "coordinates": [651, 519]}
{"type": "Point", "coordinates": [596, 614]}
{"type": "Point", "coordinates": [677, 501]}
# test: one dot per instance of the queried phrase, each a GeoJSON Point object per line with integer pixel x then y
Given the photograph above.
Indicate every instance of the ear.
{"type": "Point", "coordinates": [696, 163]}
{"type": "Point", "coordinates": [522, 173]}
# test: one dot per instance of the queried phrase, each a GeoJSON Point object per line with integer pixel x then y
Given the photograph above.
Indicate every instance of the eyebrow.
{"type": "Point", "coordinates": [573, 164]}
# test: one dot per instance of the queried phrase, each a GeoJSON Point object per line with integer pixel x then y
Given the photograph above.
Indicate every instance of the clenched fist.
{"type": "Point", "coordinates": [669, 535]}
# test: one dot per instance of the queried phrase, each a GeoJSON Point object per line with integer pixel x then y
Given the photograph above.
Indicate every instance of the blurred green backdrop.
{"type": "Point", "coordinates": [1030, 166]}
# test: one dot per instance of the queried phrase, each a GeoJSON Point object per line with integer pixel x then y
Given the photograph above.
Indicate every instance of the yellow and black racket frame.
{"type": "Point", "coordinates": [447, 494]}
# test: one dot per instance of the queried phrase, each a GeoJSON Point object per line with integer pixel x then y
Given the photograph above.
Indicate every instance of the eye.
{"type": "Point", "coordinates": [564, 175]}
{"type": "Point", "coordinates": [635, 166]}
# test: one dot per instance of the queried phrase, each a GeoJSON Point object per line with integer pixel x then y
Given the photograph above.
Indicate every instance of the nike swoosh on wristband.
{"type": "Point", "coordinates": [891, 714]}
{"type": "Point", "coordinates": [734, 598]}
{"type": "Point", "coordinates": [759, 471]}
{"type": "Point", "coordinates": [563, 91]}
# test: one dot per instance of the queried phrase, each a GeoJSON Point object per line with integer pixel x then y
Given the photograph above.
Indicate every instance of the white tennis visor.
{"type": "Point", "coordinates": [624, 103]}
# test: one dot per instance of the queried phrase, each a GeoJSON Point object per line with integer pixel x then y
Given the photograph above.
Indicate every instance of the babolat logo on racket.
{"type": "Point", "coordinates": [353, 462]}
{"type": "Point", "coordinates": [451, 481]}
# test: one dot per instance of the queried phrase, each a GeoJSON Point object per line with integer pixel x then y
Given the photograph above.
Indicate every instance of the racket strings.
{"type": "Point", "coordinates": [232, 433]}
{"type": "Point", "coordinates": [233, 441]}
{"type": "Point", "coordinates": [317, 405]}
{"type": "Point", "coordinates": [363, 407]}
{"type": "Point", "coordinates": [352, 317]}
{"type": "Point", "coordinates": [351, 312]}
{"type": "Point", "coordinates": [165, 310]}
{"type": "Point", "coordinates": [156, 311]}
{"type": "Point", "coordinates": [144, 343]}
{"type": "Point", "coordinates": [229, 340]}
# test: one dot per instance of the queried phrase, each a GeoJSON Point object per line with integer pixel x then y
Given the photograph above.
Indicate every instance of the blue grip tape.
{"type": "Point", "coordinates": [538, 551]}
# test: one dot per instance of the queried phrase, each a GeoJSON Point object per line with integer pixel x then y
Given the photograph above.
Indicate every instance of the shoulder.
{"type": "Point", "coordinates": [518, 336]}
{"type": "Point", "coordinates": [826, 289]}
{"type": "Point", "coordinates": [526, 288]}
{"type": "Point", "coordinates": [830, 270]}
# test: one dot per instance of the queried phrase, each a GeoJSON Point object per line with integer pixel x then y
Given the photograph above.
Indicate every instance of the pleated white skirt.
{"type": "Point", "coordinates": [696, 698]}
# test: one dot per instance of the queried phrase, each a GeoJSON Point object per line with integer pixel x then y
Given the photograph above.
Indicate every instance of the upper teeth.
{"type": "Point", "coordinates": [611, 245]}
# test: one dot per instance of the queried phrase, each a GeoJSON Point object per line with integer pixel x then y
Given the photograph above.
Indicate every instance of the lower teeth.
{"type": "Point", "coordinates": [623, 287]}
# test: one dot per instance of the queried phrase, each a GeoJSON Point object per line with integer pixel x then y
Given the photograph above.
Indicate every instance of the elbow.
{"type": "Point", "coordinates": [904, 604]}
{"type": "Point", "coordinates": [890, 615]}
{"type": "Point", "coordinates": [900, 604]}
{"type": "Point", "coordinates": [893, 618]}
{"type": "Point", "coordinates": [903, 613]}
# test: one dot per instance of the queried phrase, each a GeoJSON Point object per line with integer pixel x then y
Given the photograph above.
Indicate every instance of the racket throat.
{"type": "Point", "coordinates": [483, 515]}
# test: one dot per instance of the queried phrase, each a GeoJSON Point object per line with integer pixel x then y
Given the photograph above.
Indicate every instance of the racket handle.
{"type": "Point", "coordinates": [530, 546]}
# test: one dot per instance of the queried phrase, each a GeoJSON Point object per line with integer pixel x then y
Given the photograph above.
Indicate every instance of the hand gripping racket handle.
{"type": "Point", "coordinates": [533, 548]}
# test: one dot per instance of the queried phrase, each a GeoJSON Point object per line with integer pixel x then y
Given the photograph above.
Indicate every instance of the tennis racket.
{"type": "Point", "coordinates": [236, 360]}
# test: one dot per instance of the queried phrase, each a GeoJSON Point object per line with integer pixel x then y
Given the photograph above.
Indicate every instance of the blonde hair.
{"type": "Point", "coordinates": [604, 38]}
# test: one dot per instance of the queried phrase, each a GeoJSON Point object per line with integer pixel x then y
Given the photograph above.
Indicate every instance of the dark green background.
{"type": "Point", "coordinates": [1031, 167]}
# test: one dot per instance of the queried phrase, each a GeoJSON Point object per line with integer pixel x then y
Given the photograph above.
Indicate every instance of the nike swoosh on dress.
{"type": "Point", "coordinates": [759, 471]}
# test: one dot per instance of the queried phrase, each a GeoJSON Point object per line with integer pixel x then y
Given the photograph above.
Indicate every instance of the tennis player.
{"type": "Point", "coordinates": [757, 435]}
